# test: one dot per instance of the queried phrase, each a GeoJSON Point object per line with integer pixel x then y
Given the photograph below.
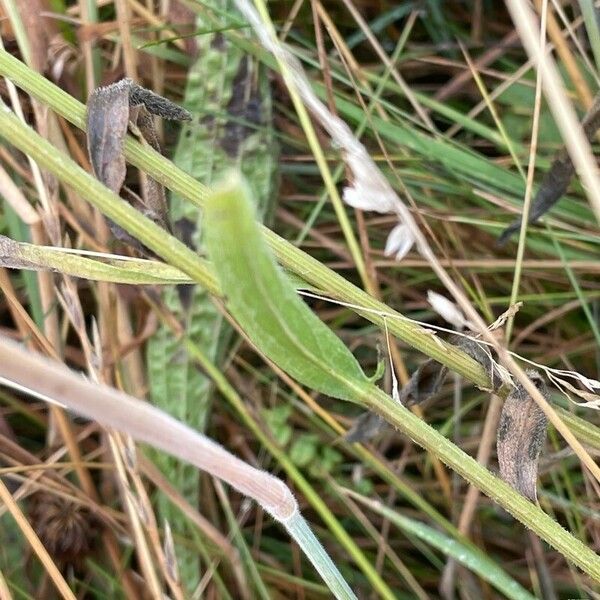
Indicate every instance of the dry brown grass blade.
{"type": "Point", "coordinates": [552, 340]}
{"type": "Point", "coordinates": [384, 547]}
{"type": "Point", "coordinates": [55, 383]}
{"type": "Point", "coordinates": [60, 418]}
{"type": "Point", "coordinates": [354, 71]}
{"type": "Point", "coordinates": [129, 54]}
{"type": "Point", "coordinates": [40, 30]}
{"type": "Point", "coordinates": [166, 561]}
{"type": "Point", "coordinates": [229, 551]}
{"type": "Point", "coordinates": [134, 498]}
{"type": "Point", "coordinates": [46, 477]}
{"type": "Point", "coordinates": [36, 544]}
{"type": "Point", "coordinates": [87, 46]}
{"type": "Point", "coordinates": [25, 324]}
{"type": "Point", "coordinates": [136, 517]}
{"type": "Point", "coordinates": [566, 57]}
{"type": "Point", "coordinates": [487, 58]}
{"type": "Point", "coordinates": [48, 228]}
{"type": "Point", "coordinates": [14, 196]}
{"type": "Point", "coordinates": [4, 591]}
{"type": "Point", "coordinates": [556, 181]}
{"type": "Point", "coordinates": [471, 500]}
{"type": "Point", "coordinates": [386, 61]}
{"type": "Point", "coordinates": [157, 22]}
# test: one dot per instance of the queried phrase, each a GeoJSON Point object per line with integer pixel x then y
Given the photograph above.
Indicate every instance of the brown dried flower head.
{"type": "Point", "coordinates": [66, 529]}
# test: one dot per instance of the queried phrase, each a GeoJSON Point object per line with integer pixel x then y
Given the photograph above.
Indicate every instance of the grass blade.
{"type": "Point", "coordinates": [470, 557]}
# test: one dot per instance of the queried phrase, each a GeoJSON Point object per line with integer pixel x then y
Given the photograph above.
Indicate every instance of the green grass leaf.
{"type": "Point", "coordinates": [469, 556]}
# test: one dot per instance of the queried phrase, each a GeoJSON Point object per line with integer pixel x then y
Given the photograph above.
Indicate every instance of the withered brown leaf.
{"type": "Point", "coordinates": [107, 121]}
{"type": "Point", "coordinates": [111, 110]}
{"type": "Point", "coordinates": [424, 383]}
{"type": "Point", "coordinates": [521, 437]}
{"type": "Point", "coordinates": [365, 428]}
{"type": "Point", "coordinates": [482, 354]}
{"type": "Point", "coordinates": [556, 181]}
{"type": "Point", "coordinates": [155, 104]}
{"type": "Point", "coordinates": [427, 380]}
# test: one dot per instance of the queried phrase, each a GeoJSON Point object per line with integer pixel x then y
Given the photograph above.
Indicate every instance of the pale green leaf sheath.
{"type": "Point", "coordinates": [228, 94]}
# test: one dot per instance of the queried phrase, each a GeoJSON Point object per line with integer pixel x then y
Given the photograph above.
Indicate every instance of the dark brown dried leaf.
{"type": "Point", "coordinates": [110, 111]}
{"type": "Point", "coordinates": [521, 437]}
{"type": "Point", "coordinates": [154, 198]}
{"type": "Point", "coordinates": [426, 381]}
{"type": "Point", "coordinates": [556, 181]}
{"type": "Point", "coordinates": [365, 428]}
{"type": "Point", "coordinates": [155, 104]}
{"type": "Point", "coordinates": [482, 354]}
{"type": "Point", "coordinates": [107, 121]}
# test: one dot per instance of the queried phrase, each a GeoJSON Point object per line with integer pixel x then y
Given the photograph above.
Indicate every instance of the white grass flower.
{"type": "Point", "coordinates": [399, 242]}
{"type": "Point", "coordinates": [356, 198]}
{"type": "Point", "coordinates": [447, 309]}
{"type": "Point", "coordinates": [364, 196]}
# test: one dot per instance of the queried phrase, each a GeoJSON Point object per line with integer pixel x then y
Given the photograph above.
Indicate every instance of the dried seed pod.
{"type": "Point", "coordinates": [521, 437]}
{"type": "Point", "coordinates": [66, 529]}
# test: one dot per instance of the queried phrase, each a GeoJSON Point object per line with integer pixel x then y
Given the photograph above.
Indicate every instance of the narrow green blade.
{"type": "Point", "coordinates": [265, 303]}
